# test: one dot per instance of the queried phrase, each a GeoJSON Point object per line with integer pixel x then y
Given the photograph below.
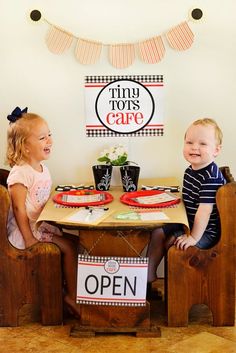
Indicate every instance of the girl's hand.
{"type": "Point", "coordinates": [31, 242]}
{"type": "Point", "coordinates": [184, 242]}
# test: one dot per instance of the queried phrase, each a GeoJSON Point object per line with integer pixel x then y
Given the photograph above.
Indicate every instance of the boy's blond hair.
{"type": "Point", "coordinates": [212, 122]}
{"type": "Point", "coordinates": [17, 134]}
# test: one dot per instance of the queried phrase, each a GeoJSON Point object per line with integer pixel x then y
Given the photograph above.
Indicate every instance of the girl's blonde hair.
{"type": "Point", "coordinates": [211, 122]}
{"type": "Point", "coordinates": [17, 134]}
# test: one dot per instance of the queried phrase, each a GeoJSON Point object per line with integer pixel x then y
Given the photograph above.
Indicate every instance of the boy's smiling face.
{"type": "Point", "coordinates": [200, 146]}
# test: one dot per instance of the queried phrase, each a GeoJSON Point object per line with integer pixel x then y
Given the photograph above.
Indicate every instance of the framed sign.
{"type": "Point", "coordinates": [114, 281]}
{"type": "Point", "coordinates": [129, 105]}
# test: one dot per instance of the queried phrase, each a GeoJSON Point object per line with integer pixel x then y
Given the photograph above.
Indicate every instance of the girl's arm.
{"type": "Point", "coordinates": [18, 196]}
{"type": "Point", "coordinates": [201, 220]}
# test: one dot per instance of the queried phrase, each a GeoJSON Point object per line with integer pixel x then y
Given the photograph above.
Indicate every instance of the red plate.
{"type": "Point", "coordinates": [128, 198]}
{"type": "Point", "coordinates": [58, 198]}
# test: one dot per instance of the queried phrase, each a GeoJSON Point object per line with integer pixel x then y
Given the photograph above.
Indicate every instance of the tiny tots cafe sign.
{"type": "Point", "coordinates": [124, 105]}
{"type": "Point", "coordinates": [120, 281]}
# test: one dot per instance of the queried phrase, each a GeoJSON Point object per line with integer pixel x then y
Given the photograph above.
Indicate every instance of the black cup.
{"type": "Point", "coordinates": [129, 177]}
{"type": "Point", "coordinates": [102, 176]}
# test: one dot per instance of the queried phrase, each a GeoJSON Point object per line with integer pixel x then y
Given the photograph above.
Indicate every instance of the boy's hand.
{"type": "Point", "coordinates": [184, 242]}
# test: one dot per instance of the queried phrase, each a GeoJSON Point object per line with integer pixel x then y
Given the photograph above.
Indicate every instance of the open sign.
{"type": "Point", "coordinates": [125, 106]}
{"type": "Point", "coordinates": [112, 281]}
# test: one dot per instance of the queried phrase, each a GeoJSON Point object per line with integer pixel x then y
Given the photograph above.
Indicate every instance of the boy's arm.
{"type": "Point", "coordinates": [200, 223]}
{"type": "Point", "coordinates": [18, 196]}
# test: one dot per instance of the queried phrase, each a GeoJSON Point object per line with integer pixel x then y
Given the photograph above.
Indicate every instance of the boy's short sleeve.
{"type": "Point", "coordinates": [208, 190]}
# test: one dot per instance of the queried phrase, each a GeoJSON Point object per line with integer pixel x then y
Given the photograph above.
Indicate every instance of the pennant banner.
{"type": "Point", "coordinates": [121, 56]}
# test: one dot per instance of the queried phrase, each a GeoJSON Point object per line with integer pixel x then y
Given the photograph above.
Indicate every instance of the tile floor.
{"type": "Point", "coordinates": [199, 337]}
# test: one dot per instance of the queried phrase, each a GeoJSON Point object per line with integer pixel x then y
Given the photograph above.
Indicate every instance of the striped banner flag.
{"type": "Point", "coordinates": [152, 50]}
{"type": "Point", "coordinates": [58, 40]}
{"type": "Point", "coordinates": [180, 37]}
{"type": "Point", "coordinates": [87, 52]}
{"type": "Point", "coordinates": [121, 55]}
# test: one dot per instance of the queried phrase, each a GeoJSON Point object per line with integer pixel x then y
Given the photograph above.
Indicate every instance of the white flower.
{"type": "Point", "coordinates": [116, 155]}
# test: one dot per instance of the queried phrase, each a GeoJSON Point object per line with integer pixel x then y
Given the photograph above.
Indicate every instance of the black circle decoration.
{"type": "Point", "coordinates": [196, 14]}
{"type": "Point", "coordinates": [35, 15]}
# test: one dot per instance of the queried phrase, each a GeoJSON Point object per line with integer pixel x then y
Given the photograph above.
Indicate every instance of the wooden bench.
{"type": "Point", "coordinates": [207, 277]}
{"type": "Point", "coordinates": [3, 176]}
{"type": "Point", "coordinates": [30, 277]}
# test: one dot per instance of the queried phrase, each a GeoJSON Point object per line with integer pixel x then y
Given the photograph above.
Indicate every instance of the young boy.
{"type": "Point", "coordinates": [202, 144]}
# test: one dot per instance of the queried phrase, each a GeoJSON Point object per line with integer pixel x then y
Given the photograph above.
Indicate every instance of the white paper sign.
{"type": "Point", "coordinates": [127, 105]}
{"type": "Point", "coordinates": [112, 280]}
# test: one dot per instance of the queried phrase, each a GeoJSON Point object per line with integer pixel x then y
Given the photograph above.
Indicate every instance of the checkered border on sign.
{"type": "Point", "coordinates": [109, 133]}
{"type": "Point", "coordinates": [141, 78]}
{"type": "Point", "coordinates": [122, 260]}
{"type": "Point", "coordinates": [80, 301]}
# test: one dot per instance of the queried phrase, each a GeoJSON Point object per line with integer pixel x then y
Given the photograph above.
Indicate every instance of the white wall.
{"type": "Point", "coordinates": [200, 82]}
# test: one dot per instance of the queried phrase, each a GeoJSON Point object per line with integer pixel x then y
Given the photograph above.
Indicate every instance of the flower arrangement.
{"type": "Point", "coordinates": [116, 155]}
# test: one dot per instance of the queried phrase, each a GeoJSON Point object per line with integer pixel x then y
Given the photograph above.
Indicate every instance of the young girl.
{"type": "Point", "coordinates": [29, 142]}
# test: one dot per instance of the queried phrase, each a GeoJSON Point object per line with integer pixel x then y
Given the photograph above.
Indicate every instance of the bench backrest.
{"type": "Point", "coordinates": [3, 176]}
{"type": "Point", "coordinates": [226, 204]}
{"type": "Point", "coordinates": [4, 208]}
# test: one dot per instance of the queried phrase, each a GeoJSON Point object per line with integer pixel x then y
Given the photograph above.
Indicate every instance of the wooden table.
{"type": "Point", "coordinates": [115, 237]}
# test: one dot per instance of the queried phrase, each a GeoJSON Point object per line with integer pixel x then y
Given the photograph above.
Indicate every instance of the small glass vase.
{"type": "Point", "coordinates": [115, 176]}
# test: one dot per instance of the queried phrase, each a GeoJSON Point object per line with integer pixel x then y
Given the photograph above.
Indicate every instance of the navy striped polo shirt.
{"type": "Point", "coordinates": [200, 186]}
